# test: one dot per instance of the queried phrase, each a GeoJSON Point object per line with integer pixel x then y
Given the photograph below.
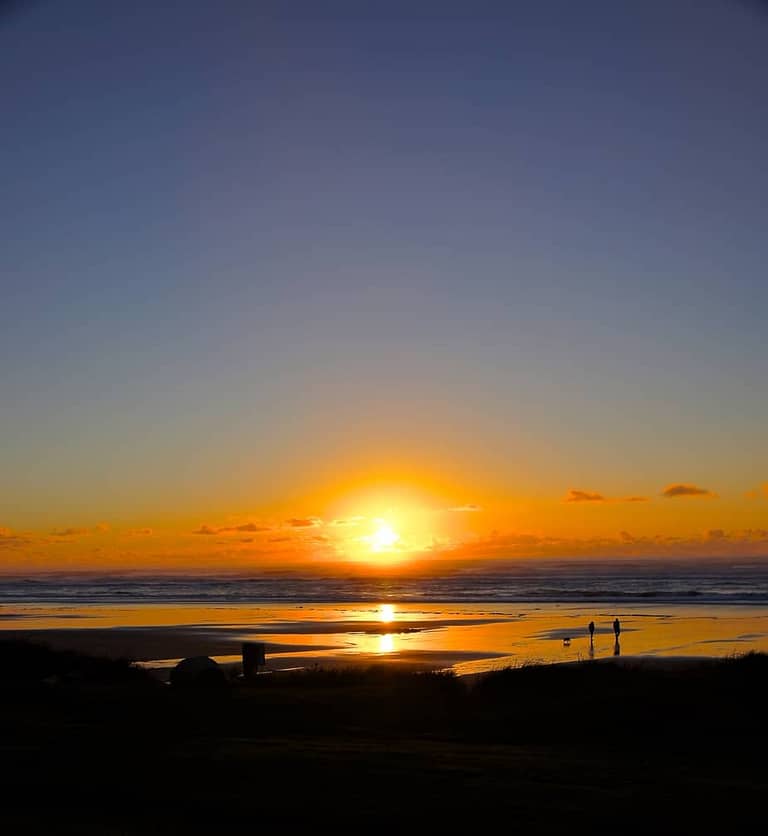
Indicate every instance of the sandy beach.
{"type": "Point", "coordinates": [467, 639]}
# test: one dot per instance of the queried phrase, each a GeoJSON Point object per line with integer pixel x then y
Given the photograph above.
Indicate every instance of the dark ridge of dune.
{"type": "Point", "coordinates": [549, 748]}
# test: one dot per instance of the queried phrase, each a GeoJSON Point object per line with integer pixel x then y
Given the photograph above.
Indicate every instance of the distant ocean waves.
{"type": "Point", "coordinates": [747, 584]}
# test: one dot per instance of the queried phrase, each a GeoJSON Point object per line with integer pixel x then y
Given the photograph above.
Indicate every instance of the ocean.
{"type": "Point", "coordinates": [470, 619]}
{"type": "Point", "coordinates": [700, 582]}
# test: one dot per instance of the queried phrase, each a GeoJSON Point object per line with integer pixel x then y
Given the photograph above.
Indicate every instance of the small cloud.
{"type": "Point", "coordinates": [244, 528]}
{"type": "Point", "coordinates": [583, 496]}
{"type": "Point", "coordinates": [279, 539]}
{"type": "Point", "coordinates": [140, 532]}
{"type": "Point", "coordinates": [593, 496]}
{"type": "Point", "coordinates": [348, 521]}
{"type": "Point", "coordinates": [247, 527]}
{"type": "Point", "coordinates": [682, 489]}
{"type": "Point", "coordinates": [756, 534]}
{"type": "Point", "coordinates": [10, 540]}
{"type": "Point", "coordinates": [716, 534]}
{"type": "Point", "coordinates": [303, 522]}
{"type": "Point", "coordinates": [70, 532]}
{"type": "Point", "coordinates": [466, 509]}
{"type": "Point", "coordinates": [626, 537]}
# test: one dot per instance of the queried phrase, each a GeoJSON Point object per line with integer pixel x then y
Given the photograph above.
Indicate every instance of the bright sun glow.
{"type": "Point", "coordinates": [384, 538]}
{"type": "Point", "coordinates": [386, 613]}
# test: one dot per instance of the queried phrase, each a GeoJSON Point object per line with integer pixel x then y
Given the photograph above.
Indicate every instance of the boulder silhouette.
{"type": "Point", "coordinates": [199, 672]}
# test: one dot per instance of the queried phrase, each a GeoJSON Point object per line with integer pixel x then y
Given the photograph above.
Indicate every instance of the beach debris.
{"type": "Point", "coordinates": [199, 672]}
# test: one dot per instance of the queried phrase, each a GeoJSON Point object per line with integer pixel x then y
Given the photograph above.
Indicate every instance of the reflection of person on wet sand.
{"type": "Point", "coordinates": [591, 629]}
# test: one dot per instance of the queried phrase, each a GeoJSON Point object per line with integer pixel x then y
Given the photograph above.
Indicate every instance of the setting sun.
{"type": "Point", "coordinates": [384, 538]}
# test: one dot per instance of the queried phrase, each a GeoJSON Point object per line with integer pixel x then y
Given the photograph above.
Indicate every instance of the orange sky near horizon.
{"type": "Point", "coordinates": [337, 289]}
{"type": "Point", "coordinates": [398, 526]}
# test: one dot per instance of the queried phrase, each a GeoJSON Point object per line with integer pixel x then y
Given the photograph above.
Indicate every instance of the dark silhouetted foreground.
{"type": "Point", "coordinates": [93, 746]}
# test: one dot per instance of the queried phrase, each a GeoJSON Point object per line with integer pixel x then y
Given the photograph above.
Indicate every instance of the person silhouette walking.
{"type": "Point", "coordinates": [616, 627]}
{"type": "Point", "coordinates": [591, 629]}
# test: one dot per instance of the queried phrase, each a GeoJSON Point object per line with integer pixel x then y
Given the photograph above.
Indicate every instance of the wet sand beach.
{"type": "Point", "coordinates": [468, 638]}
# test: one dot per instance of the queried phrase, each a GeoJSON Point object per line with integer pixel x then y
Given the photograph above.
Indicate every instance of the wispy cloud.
{"type": "Point", "coordinates": [140, 532]}
{"type": "Point", "coordinates": [465, 509]}
{"type": "Point", "coordinates": [593, 496]}
{"type": "Point", "coordinates": [304, 522]}
{"type": "Point", "coordinates": [9, 539]}
{"type": "Point", "coordinates": [73, 531]}
{"type": "Point", "coordinates": [683, 489]}
{"type": "Point", "coordinates": [512, 545]}
{"type": "Point", "coordinates": [348, 521]}
{"type": "Point", "coordinates": [583, 496]}
{"type": "Point", "coordinates": [243, 528]}
{"type": "Point", "coordinates": [248, 527]}
{"type": "Point", "coordinates": [70, 532]}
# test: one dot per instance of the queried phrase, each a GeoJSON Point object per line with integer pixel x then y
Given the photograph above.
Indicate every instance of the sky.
{"type": "Point", "coordinates": [300, 282]}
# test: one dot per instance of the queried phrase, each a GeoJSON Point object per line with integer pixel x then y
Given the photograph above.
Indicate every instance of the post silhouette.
{"type": "Point", "coordinates": [253, 656]}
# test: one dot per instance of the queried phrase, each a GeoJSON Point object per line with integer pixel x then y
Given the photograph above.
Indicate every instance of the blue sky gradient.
{"type": "Point", "coordinates": [245, 242]}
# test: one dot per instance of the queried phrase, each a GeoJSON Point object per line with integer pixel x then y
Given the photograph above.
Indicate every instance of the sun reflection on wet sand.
{"type": "Point", "coordinates": [470, 637]}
